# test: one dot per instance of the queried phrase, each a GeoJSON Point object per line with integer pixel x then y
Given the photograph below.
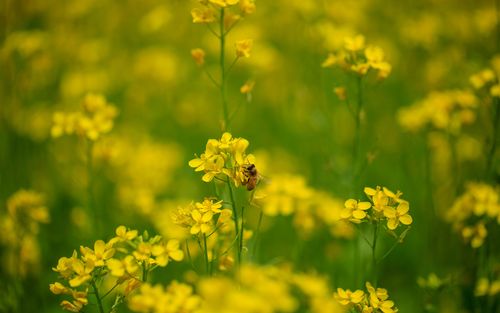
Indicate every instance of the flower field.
{"type": "Point", "coordinates": [245, 156]}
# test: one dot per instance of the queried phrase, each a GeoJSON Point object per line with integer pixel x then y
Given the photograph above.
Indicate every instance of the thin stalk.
{"type": "Point", "coordinates": [144, 273]}
{"type": "Point", "coordinates": [97, 297]}
{"type": "Point", "coordinates": [222, 41]}
{"type": "Point", "coordinates": [496, 125]}
{"type": "Point", "coordinates": [390, 250]}
{"type": "Point", "coordinates": [240, 246]}
{"type": "Point", "coordinates": [374, 250]}
{"type": "Point", "coordinates": [205, 248]}
{"type": "Point", "coordinates": [235, 213]}
{"type": "Point", "coordinates": [188, 252]}
{"type": "Point", "coordinates": [110, 290]}
{"type": "Point", "coordinates": [356, 149]}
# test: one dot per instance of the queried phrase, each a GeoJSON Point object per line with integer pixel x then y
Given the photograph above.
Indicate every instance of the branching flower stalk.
{"type": "Point", "coordinates": [385, 209]}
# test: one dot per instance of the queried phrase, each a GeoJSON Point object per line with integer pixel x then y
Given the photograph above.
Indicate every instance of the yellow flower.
{"type": "Point", "coordinates": [374, 54]}
{"type": "Point", "coordinates": [243, 48]}
{"type": "Point", "coordinates": [247, 6]}
{"type": "Point", "coordinates": [495, 90]}
{"type": "Point", "coordinates": [482, 78]}
{"type": "Point", "coordinates": [379, 199]}
{"type": "Point", "coordinates": [224, 3]}
{"type": "Point", "coordinates": [82, 272]}
{"type": "Point", "coordinates": [379, 299]}
{"type": "Point", "coordinates": [400, 214]}
{"type": "Point", "coordinates": [341, 93]}
{"type": "Point", "coordinates": [476, 234]}
{"type": "Point", "coordinates": [198, 56]}
{"type": "Point", "coordinates": [331, 60]}
{"type": "Point", "coordinates": [208, 205]}
{"type": "Point", "coordinates": [164, 252]}
{"type": "Point", "coordinates": [65, 265]}
{"type": "Point", "coordinates": [355, 43]}
{"type": "Point", "coordinates": [354, 210]}
{"type": "Point", "coordinates": [120, 268]}
{"type": "Point", "coordinates": [204, 15]}
{"type": "Point", "coordinates": [125, 235]}
{"type": "Point", "coordinates": [143, 253]}
{"type": "Point", "coordinates": [74, 306]}
{"type": "Point", "coordinates": [346, 297]}
{"type": "Point", "coordinates": [58, 288]}
{"type": "Point", "coordinates": [99, 255]}
{"type": "Point", "coordinates": [360, 68]}
{"type": "Point", "coordinates": [202, 222]}
{"type": "Point", "coordinates": [247, 87]}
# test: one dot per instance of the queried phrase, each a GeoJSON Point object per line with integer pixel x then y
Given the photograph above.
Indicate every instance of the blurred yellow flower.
{"type": "Point", "coordinates": [203, 15]}
{"type": "Point", "coordinates": [355, 43]}
{"type": "Point", "coordinates": [243, 48]}
{"type": "Point", "coordinates": [247, 6]}
{"type": "Point", "coordinates": [224, 3]}
{"type": "Point", "coordinates": [198, 56]}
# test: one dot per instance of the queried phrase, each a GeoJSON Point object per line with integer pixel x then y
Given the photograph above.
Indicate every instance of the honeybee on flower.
{"type": "Point", "coordinates": [227, 159]}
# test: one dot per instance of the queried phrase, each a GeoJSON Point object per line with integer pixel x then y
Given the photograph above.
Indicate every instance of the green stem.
{"type": "Point", "coordinates": [390, 250]}
{"type": "Point", "coordinates": [144, 273]}
{"type": "Point", "coordinates": [110, 290]}
{"type": "Point", "coordinates": [222, 37]}
{"type": "Point", "coordinates": [235, 213]}
{"type": "Point", "coordinates": [240, 246]}
{"type": "Point", "coordinates": [357, 135]}
{"type": "Point", "coordinates": [496, 125]}
{"type": "Point", "coordinates": [374, 259]}
{"type": "Point", "coordinates": [205, 248]}
{"type": "Point", "coordinates": [98, 298]}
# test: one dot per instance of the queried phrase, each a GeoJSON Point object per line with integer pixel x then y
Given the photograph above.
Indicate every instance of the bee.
{"type": "Point", "coordinates": [252, 176]}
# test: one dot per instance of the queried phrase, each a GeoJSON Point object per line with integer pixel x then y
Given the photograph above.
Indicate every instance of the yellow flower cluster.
{"type": "Point", "coordinates": [26, 210]}
{"type": "Point", "coordinates": [175, 298]}
{"type": "Point", "coordinates": [199, 217]}
{"type": "Point", "coordinates": [210, 223]}
{"type": "Point", "coordinates": [288, 194]}
{"type": "Point", "coordinates": [225, 158]}
{"type": "Point", "coordinates": [486, 79]}
{"type": "Point", "coordinates": [486, 287]}
{"type": "Point", "coordinates": [472, 211]}
{"type": "Point", "coordinates": [384, 205]}
{"type": "Point", "coordinates": [255, 289]}
{"type": "Point", "coordinates": [358, 58]}
{"type": "Point", "coordinates": [127, 258]}
{"type": "Point", "coordinates": [447, 111]}
{"type": "Point", "coordinates": [375, 300]}
{"type": "Point", "coordinates": [94, 120]}
{"type": "Point", "coordinates": [207, 13]}
{"type": "Point", "coordinates": [432, 282]}
{"type": "Point", "coordinates": [141, 168]}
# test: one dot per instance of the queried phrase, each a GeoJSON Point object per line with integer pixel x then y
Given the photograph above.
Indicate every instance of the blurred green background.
{"type": "Point", "coordinates": [137, 54]}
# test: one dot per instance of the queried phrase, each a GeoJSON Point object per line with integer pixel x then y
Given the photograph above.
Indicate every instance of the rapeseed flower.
{"type": "Point", "coordinates": [355, 211]}
{"type": "Point", "coordinates": [225, 157]}
{"type": "Point", "coordinates": [243, 48]}
{"type": "Point", "coordinates": [95, 119]}
{"type": "Point", "coordinates": [473, 210]}
{"type": "Point", "coordinates": [357, 58]}
{"type": "Point", "coordinates": [398, 215]}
